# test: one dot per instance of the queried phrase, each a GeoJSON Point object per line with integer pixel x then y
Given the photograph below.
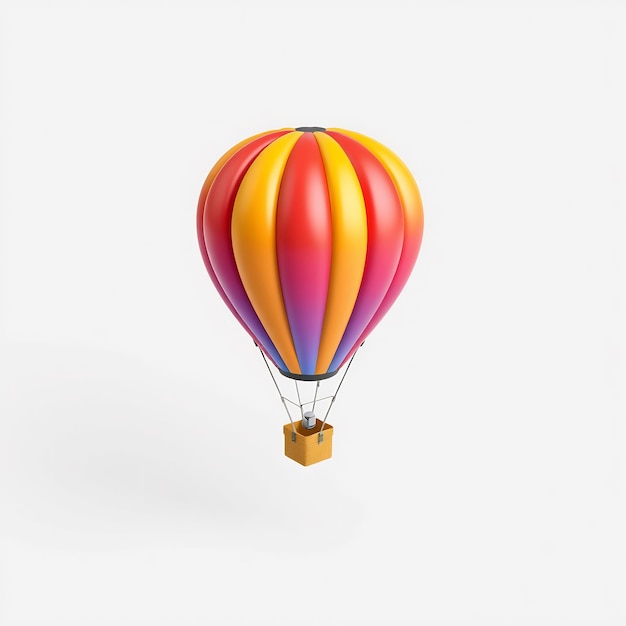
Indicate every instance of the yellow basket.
{"type": "Point", "coordinates": [306, 446]}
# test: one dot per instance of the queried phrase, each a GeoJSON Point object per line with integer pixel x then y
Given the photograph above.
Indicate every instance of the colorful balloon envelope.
{"type": "Point", "coordinates": [309, 235]}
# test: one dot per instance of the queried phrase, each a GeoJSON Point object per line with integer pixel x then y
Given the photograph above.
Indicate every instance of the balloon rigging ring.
{"type": "Point", "coordinates": [308, 377]}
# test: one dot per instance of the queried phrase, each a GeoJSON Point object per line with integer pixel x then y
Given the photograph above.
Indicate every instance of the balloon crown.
{"type": "Point", "coordinates": [310, 129]}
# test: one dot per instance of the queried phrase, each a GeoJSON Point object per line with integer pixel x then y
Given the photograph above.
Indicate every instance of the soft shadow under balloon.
{"type": "Point", "coordinates": [102, 447]}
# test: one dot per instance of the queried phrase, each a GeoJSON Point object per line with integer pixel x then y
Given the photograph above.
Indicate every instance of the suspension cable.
{"type": "Point", "coordinates": [299, 400]}
{"type": "Point", "coordinates": [315, 396]}
{"type": "Point", "coordinates": [330, 406]}
{"type": "Point", "coordinates": [282, 398]}
{"type": "Point", "coordinates": [318, 400]}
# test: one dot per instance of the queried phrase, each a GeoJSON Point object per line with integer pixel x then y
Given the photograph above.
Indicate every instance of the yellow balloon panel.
{"type": "Point", "coordinates": [253, 230]}
{"type": "Point", "coordinates": [400, 175]}
{"type": "Point", "coordinates": [349, 246]}
{"type": "Point", "coordinates": [222, 160]}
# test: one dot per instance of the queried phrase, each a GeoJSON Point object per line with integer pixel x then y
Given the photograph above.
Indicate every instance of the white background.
{"type": "Point", "coordinates": [479, 467]}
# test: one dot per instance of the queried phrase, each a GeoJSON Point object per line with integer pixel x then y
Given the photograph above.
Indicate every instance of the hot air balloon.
{"type": "Point", "coordinates": [309, 235]}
